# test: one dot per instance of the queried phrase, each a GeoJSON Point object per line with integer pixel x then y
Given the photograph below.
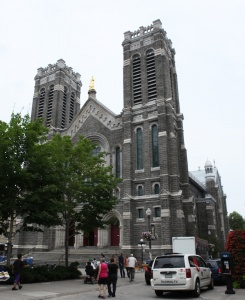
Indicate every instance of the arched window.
{"type": "Point", "coordinates": [140, 190]}
{"type": "Point", "coordinates": [154, 146]}
{"type": "Point", "coordinates": [41, 103]}
{"type": "Point", "coordinates": [96, 151]}
{"type": "Point", "coordinates": [151, 75]}
{"type": "Point", "coordinates": [118, 162]}
{"type": "Point", "coordinates": [137, 79]}
{"type": "Point", "coordinates": [63, 117]}
{"type": "Point", "coordinates": [50, 105]}
{"type": "Point", "coordinates": [139, 143]}
{"type": "Point", "coordinates": [72, 106]}
{"type": "Point", "coordinates": [156, 189]}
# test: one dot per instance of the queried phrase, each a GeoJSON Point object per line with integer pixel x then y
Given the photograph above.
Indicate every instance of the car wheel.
{"type": "Point", "coordinates": [211, 285]}
{"type": "Point", "coordinates": [159, 293]}
{"type": "Point", "coordinates": [197, 290]}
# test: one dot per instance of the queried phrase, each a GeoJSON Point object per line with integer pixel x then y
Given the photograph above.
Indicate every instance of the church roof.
{"type": "Point", "coordinates": [200, 175]}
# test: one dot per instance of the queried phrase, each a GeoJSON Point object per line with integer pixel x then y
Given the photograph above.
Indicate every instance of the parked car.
{"type": "Point", "coordinates": [215, 266]}
{"type": "Point", "coordinates": [148, 272]}
{"type": "Point", "coordinates": [180, 272]}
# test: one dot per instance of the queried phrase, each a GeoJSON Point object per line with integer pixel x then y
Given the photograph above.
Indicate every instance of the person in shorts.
{"type": "Point", "coordinates": [102, 278]}
{"type": "Point", "coordinates": [18, 265]}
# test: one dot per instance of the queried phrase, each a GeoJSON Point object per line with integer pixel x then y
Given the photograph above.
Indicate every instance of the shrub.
{"type": "Point", "coordinates": [47, 273]}
{"type": "Point", "coordinates": [236, 246]}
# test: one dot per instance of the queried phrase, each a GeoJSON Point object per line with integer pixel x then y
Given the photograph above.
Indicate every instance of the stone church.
{"type": "Point", "coordinates": [144, 144]}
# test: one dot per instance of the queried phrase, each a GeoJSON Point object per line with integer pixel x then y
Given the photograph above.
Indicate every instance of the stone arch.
{"type": "Point", "coordinates": [103, 142]}
{"type": "Point", "coordinates": [115, 223]}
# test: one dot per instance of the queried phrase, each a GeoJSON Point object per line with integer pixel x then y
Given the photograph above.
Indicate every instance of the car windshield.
{"type": "Point", "coordinates": [169, 262]}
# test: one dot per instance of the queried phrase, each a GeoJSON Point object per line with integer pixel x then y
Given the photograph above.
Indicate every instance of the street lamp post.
{"type": "Point", "coordinates": [141, 243]}
{"type": "Point", "coordinates": [148, 213]}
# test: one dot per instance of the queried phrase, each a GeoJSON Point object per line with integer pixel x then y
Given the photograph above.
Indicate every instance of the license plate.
{"type": "Point", "coordinates": [168, 275]}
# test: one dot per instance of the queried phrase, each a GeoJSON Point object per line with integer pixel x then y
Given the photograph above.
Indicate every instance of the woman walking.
{"type": "Point", "coordinates": [102, 278]}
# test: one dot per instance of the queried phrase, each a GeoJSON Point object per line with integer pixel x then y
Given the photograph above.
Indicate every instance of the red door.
{"type": "Point", "coordinates": [91, 238]}
{"type": "Point", "coordinates": [115, 234]}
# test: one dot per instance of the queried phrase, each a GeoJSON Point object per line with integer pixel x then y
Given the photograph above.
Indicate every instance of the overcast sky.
{"type": "Point", "coordinates": [209, 39]}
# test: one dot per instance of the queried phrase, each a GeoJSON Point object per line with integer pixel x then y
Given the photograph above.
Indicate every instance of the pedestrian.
{"type": "Point", "coordinates": [114, 258]}
{"type": "Point", "coordinates": [131, 264]}
{"type": "Point", "coordinates": [126, 265]}
{"type": "Point", "coordinates": [89, 270]}
{"type": "Point", "coordinates": [121, 265]}
{"type": "Point", "coordinates": [102, 278]}
{"type": "Point", "coordinates": [95, 263]}
{"type": "Point", "coordinates": [17, 267]}
{"type": "Point", "coordinates": [112, 278]}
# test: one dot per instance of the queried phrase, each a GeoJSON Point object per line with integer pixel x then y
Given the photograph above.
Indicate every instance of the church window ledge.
{"type": "Point", "coordinates": [156, 219]}
{"type": "Point", "coordinates": [140, 171]}
{"type": "Point", "coordinates": [155, 169]}
{"type": "Point", "coordinates": [140, 220]}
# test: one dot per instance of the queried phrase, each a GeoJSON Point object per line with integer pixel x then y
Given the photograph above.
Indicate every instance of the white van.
{"type": "Point", "coordinates": [180, 272]}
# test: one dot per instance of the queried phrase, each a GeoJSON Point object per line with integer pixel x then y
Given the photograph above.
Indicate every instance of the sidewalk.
{"type": "Point", "coordinates": [57, 289]}
{"type": "Point", "coordinates": [49, 290]}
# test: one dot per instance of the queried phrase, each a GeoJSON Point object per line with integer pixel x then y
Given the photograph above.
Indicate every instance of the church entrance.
{"type": "Point", "coordinates": [90, 238]}
{"type": "Point", "coordinates": [115, 233]}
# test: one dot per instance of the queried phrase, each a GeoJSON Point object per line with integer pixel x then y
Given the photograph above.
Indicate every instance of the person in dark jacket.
{"type": "Point", "coordinates": [112, 278]}
{"type": "Point", "coordinates": [18, 265]}
{"type": "Point", "coordinates": [121, 265]}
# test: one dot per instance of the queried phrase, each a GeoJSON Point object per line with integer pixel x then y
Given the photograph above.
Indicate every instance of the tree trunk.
{"type": "Point", "coordinates": [10, 235]}
{"type": "Point", "coordinates": [67, 241]}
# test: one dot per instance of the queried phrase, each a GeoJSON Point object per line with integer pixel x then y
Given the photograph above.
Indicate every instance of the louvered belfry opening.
{"type": "Point", "coordinates": [50, 105]}
{"type": "Point", "coordinates": [41, 103]}
{"type": "Point", "coordinates": [72, 103]}
{"type": "Point", "coordinates": [151, 75]}
{"type": "Point", "coordinates": [63, 117]}
{"type": "Point", "coordinates": [137, 79]}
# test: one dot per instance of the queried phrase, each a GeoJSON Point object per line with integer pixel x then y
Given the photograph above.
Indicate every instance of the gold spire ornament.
{"type": "Point", "coordinates": [91, 85]}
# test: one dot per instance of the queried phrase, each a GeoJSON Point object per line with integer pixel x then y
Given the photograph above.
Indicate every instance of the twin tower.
{"type": "Point", "coordinates": [144, 144]}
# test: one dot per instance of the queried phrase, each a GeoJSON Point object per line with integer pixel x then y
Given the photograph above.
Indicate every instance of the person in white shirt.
{"type": "Point", "coordinates": [132, 261]}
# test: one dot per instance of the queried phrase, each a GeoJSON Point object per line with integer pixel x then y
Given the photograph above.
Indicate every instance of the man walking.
{"type": "Point", "coordinates": [112, 282]}
{"type": "Point", "coordinates": [17, 267]}
{"type": "Point", "coordinates": [131, 265]}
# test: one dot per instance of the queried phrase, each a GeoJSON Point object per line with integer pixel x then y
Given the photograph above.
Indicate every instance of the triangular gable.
{"type": "Point", "coordinates": [96, 109]}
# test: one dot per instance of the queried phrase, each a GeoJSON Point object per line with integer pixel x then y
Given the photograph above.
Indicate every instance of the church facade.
{"type": "Point", "coordinates": [144, 144]}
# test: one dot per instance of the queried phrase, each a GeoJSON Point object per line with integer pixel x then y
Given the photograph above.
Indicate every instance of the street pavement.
{"type": "Point", "coordinates": [77, 290]}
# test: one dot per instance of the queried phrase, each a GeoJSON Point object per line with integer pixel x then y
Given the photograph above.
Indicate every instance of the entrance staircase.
{"type": "Point", "coordinates": [81, 255]}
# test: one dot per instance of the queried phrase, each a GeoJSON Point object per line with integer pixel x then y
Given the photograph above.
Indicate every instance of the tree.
{"type": "Point", "coordinates": [79, 186]}
{"type": "Point", "coordinates": [236, 221]}
{"type": "Point", "coordinates": [48, 183]}
{"type": "Point", "coordinates": [18, 141]}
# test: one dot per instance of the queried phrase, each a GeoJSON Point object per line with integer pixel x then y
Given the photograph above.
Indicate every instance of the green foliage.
{"type": "Point", "coordinates": [236, 221]}
{"type": "Point", "coordinates": [18, 140]}
{"type": "Point", "coordinates": [53, 182]}
{"type": "Point", "coordinates": [236, 246]}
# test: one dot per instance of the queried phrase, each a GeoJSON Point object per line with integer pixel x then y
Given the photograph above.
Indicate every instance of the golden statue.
{"type": "Point", "coordinates": [91, 85]}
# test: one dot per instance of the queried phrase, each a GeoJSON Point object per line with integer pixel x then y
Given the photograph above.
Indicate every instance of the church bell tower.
{"type": "Point", "coordinates": [154, 155]}
{"type": "Point", "coordinates": [57, 95]}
